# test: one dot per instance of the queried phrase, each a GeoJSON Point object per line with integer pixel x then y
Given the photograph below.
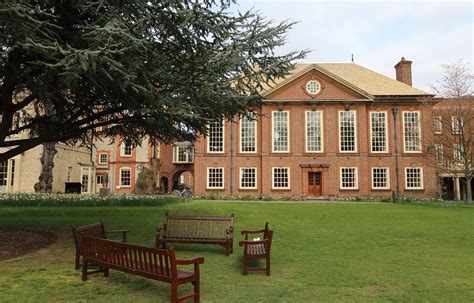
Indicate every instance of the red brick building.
{"type": "Point", "coordinates": [326, 130]}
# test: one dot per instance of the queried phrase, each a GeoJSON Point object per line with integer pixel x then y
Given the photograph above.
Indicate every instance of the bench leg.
{"type": "Point", "coordinates": [174, 293]}
{"type": "Point", "coordinates": [84, 270]}
{"type": "Point", "coordinates": [197, 292]}
{"type": "Point", "coordinates": [267, 267]}
{"type": "Point", "coordinates": [106, 271]}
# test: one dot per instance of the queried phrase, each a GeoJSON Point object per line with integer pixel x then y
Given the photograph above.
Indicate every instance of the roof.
{"type": "Point", "coordinates": [364, 81]}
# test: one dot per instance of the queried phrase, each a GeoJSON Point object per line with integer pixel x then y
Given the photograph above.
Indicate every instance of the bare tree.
{"type": "Point", "coordinates": [452, 138]}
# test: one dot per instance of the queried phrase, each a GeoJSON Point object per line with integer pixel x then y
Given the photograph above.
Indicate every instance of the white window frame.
{"type": "Point", "coordinates": [419, 133]}
{"type": "Point", "coordinates": [122, 150]}
{"type": "Point", "coordinates": [273, 178]}
{"type": "Point", "coordinates": [439, 155]}
{"type": "Point", "coordinates": [241, 175]}
{"type": "Point", "coordinates": [355, 131]}
{"type": "Point", "coordinates": [458, 150]}
{"type": "Point", "coordinates": [387, 180]}
{"type": "Point", "coordinates": [356, 176]}
{"type": "Point", "coordinates": [189, 155]}
{"type": "Point", "coordinates": [223, 140]}
{"type": "Point", "coordinates": [254, 135]}
{"type": "Point", "coordinates": [371, 134]}
{"type": "Point", "coordinates": [438, 124]}
{"type": "Point", "coordinates": [457, 125]}
{"type": "Point", "coordinates": [120, 179]}
{"type": "Point", "coordinates": [306, 131]}
{"type": "Point", "coordinates": [421, 178]}
{"type": "Point", "coordinates": [223, 178]}
{"type": "Point", "coordinates": [100, 163]}
{"type": "Point", "coordinates": [288, 131]}
{"type": "Point", "coordinates": [89, 176]}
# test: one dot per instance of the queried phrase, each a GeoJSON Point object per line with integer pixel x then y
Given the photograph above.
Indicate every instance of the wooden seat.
{"type": "Point", "coordinates": [152, 263]}
{"type": "Point", "coordinates": [96, 230]}
{"type": "Point", "coordinates": [259, 249]}
{"type": "Point", "coordinates": [197, 229]}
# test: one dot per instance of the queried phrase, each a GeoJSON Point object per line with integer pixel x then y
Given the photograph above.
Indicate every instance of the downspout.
{"type": "Point", "coordinates": [231, 169]}
{"type": "Point", "coordinates": [260, 149]}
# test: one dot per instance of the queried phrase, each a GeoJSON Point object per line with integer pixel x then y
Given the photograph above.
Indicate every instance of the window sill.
{"type": "Point", "coordinates": [281, 189]}
{"type": "Point", "coordinates": [414, 189]}
{"type": "Point", "coordinates": [348, 189]}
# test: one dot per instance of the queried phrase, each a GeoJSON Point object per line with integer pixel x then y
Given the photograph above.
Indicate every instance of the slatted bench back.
{"type": "Point", "coordinates": [95, 230]}
{"type": "Point", "coordinates": [190, 227]}
{"type": "Point", "coordinates": [154, 263]}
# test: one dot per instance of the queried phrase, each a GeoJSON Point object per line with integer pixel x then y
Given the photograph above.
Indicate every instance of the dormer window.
{"type": "Point", "coordinates": [313, 87]}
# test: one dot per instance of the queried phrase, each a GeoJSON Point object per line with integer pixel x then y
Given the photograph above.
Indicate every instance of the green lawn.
{"type": "Point", "coordinates": [321, 252]}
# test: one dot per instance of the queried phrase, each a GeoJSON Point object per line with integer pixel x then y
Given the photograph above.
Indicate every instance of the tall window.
{"type": "Point", "coordinates": [85, 179]}
{"type": "Point", "coordinates": [458, 150]}
{"type": "Point", "coordinates": [439, 152]}
{"type": "Point", "coordinates": [12, 176]}
{"type": "Point", "coordinates": [411, 132]}
{"type": "Point", "coordinates": [126, 149]}
{"type": "Point", "coordinates": [380, 178]}
{"type": "Point", "coordinates": [281, 178]}
{"type": "Point", "coordinates": [215, 140]}
{"type": "Point", "coordinates": [457, 124]}
{"type": "Point", "coordinates": [3, 175]}
{"type": "Point", "coordinates": [314, 131]}
{"type": "Point", "coordinates": [349, 178]}
{"type": "Point", "coordinates": [413, 178]}
{"type": "Point", "coordinates": [248, 178]}
{"type": "Point", "coordinates": [248, 133]}
{"type": "Point", "coordinates": [378, 132]}
{"type": "Point", "coordinates": [125, 177]}
{"type": "Point", "coordinates": [280, 125]}
{"type": "Point", "coordinates": [438, 124]}
{"type": "Point", "coordinates": [215, 177]}
{"type": "Point", "coordinates": [347, 131]}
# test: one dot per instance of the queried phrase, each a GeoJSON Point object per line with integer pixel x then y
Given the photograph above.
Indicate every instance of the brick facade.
{"type": "Point", "coordinates": [333, 98]}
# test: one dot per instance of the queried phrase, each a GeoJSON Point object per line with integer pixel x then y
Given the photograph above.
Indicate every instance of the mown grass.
{"type": "Point", "coordinates": [321, 252]}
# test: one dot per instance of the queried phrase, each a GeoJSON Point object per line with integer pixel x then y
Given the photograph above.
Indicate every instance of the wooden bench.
{"type": "Point", "coordinates": [257, 249]}
{"type": "Point", "coordinates": [94, 230]}
{"type": "Point", "coordinates": [153, 263]}
{"type": "Point", "coordinates": [197, 229]}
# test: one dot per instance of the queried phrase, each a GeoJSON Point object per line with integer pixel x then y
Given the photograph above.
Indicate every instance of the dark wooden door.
{"type": "Point", "coordinates": [315, 183]}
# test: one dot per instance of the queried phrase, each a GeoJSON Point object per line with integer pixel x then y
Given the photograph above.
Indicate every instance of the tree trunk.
{"type": "Point", "coordinates": [468, 190]}
{"type": "Point", "coordinates": [45, 183]}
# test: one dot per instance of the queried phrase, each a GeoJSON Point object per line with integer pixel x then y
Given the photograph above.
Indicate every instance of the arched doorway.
{"type": "Point", "coordinates": [183, 178]}
{"type": "Point", "coordinates": [164, 185]}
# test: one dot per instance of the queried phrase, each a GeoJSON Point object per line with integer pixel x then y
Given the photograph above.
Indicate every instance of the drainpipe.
{"type": "Point", "coordinates": [396, 196]}
{"type": "Point", "coordinates": [231, 169]}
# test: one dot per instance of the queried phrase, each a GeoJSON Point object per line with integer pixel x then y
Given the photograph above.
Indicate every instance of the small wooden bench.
{"type": "Point", "coordinates": [94, 230]}
{"type": "Point", "coordinates": [197, 229]}
{"type": "Point", "coordinates": [257, 249]}
{"type": "Point", "coordinates": [152, 263]}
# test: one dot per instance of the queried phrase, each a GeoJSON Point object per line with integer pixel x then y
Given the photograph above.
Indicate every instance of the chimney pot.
{"type": "Point", "coordinates": [403, 71]}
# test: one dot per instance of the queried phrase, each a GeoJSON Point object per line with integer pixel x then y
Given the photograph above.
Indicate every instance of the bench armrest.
{"type": "Point", "coordinates": [243, 232]}
{"type": "Point", "coordinates": [116, 231]}
{"type": "Point", "coordinates": [251, 242]}
{"type": "Point", "coordinates": [196, 260]}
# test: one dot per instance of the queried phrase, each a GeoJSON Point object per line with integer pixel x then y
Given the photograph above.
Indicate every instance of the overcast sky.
{"type": "Point", "coordinates": [429, 33]}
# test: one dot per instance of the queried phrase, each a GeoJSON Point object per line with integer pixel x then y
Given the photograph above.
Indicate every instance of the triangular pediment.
{"type": "Point", "coordinates": [293, 87]}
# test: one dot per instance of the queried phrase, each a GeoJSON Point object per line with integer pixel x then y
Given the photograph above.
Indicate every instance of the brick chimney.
{"type": "Point", "coordinates": [403, 71]}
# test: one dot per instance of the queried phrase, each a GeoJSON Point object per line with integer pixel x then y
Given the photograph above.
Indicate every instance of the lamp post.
{"type": "Point", "coordinates": [395, 113]}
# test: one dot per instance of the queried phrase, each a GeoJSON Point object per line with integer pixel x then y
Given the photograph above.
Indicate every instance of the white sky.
{"type": "Point", "coordinates": [378, 33]}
